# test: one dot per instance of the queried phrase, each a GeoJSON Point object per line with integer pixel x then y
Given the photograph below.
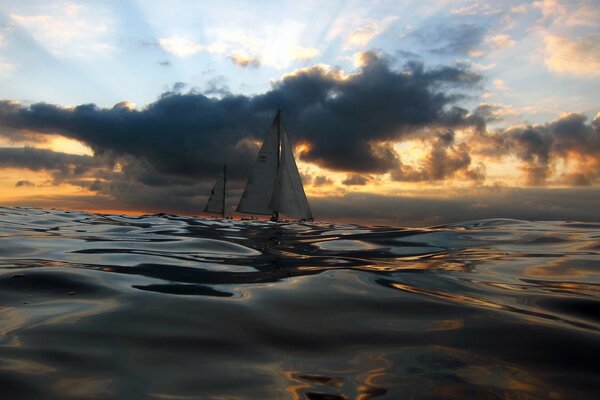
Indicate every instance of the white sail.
{"type": "Point", "coordinates": [274, 185]}
{"type": "Point", "coordinates": [216, 200]}
{"type": "Point", "coordinates": [259, 189]}
{"type": "Point", "coordinates": [290, 198]}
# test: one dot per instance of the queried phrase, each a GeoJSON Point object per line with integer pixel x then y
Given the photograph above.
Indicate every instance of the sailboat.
{"type": "Point", "coordinates": [274, 186]}
{"type": "Point", "coordinates": [216, 200]}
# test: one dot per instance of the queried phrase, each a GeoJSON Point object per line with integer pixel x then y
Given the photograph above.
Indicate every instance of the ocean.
{"type": "Point", "coordinates": [96, 306]}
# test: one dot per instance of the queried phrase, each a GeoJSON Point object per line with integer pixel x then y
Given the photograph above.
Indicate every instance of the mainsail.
{"type": "Point", "coordinates": [216, 200]}
{"type": "Point", "coordinates": [274, 185]}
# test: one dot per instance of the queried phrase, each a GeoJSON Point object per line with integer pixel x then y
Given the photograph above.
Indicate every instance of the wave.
{"type": "Point", "coordinates": [167, 306]}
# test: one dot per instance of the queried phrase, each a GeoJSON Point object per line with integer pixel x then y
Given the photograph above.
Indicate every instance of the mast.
{"type": "Point", "coordinates": [224, 183]}
{"type": "Point", "coordinates": [275, 216]}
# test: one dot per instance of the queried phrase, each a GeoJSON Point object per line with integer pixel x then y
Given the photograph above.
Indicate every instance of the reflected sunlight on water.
{"type": "Point", "coordinates": [165, 306]}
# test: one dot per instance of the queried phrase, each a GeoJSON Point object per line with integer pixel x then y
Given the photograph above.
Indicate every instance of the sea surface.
{"type": "Point", "coordinates": [171, 307]}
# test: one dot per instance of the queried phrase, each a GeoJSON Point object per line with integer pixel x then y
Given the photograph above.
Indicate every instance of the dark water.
{"type": "Point", "coordinates": [168, 307]}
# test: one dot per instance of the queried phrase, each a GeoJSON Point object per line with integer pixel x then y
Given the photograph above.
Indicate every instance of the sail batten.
{"type": "Point", "coordinates": [275, 185]}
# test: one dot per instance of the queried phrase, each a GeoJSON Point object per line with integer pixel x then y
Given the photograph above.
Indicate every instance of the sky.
{"type": "Point", "coordinates": [400, 112]}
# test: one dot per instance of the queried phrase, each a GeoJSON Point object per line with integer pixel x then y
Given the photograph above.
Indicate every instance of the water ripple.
{"type": "Point", "coordinates": [166, 306]}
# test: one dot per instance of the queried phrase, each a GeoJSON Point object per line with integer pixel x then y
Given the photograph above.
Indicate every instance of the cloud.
{"type": "Point", "coordinates": [139, 186]}
{"type": "Point", "coordinates": [476, 9]}
{"type": "Point", "coordinates": [355, 180]}
{"type": "Point", "coordinates": [301, 53]}
{"type": "Point", "coordinates": [217, 86]}
{"type": "Point", "coordinates": [119, 182]}
{"type": "Point", "coordinates": [275, 43]}
{"type": "Point", "coordinates": [62, 165]}
{"type": "Point", "coordinates": [24, 184]}
{"type": "Point", "coordinates": [445, 160]}
{"type": "Point", "coordinates": [520, 9]}
{"type": "Point", "coordinates": [569, 140]}
{"type": "Point", "coordinates": [574, 14]}
{"type": "Point", "coordinates": [321, 180]}
{"type": "Point", "coordinates": [367, 31]}
{"type": "Point", "coordinates": [164, 63]}
{"type": "Point", "coordinates": [568, 14]}
{"type": "Point", "coordinates": [579, 56]}
{"type": "Point", "coordinates": [348, 120]}
{"type": "Point", "coordinates": [501, 40]}
{"type": "Point", "coordinates": [127, 105]}
{"type": "Point", "coordinates": [550, 8]}
{"type": "Point", "coordinates": [245, 61]}
{"type": "Point", "coordinates": [184, 47]}
{"type": "Point", "coordinates": [69, 30]}
{"type": "Point", "coordinates": [587, 15]}
{"type": "Point", "coordinates": [488, 202]}
{"type": "Point", "coordinates": [178, 87]}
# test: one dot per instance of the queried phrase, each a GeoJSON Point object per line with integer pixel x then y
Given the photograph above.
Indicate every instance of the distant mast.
{"type": "Point", "coordinates": [224, 183]}
{"type": "Point", "coordinates": [216, 200]}
{"type": "Point", "coordinates": [275, 216]}
{"type": "Point", "coordinates": [274, 185]}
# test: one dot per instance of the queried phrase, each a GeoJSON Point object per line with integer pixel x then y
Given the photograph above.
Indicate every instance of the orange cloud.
{"type": "Point", "coordinates": [362, 35]}
{"type": "Point", "coordinates": [245, 61]}
{"type": "Point", "coordinates": [579, 56]}
{"type": "Point", "coordinates": [501, 40]}
{"type": "Point", "coordinates": [301, 53]}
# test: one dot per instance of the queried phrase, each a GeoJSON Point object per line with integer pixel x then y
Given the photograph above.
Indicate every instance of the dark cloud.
{"type": "Point", "coordinates": [321, 180]}
{"type": "Point", "coordinates": [217, 86]}
{"type": "Point", "coordinates": [129, 193]}
{"type": "Point", "coordinates": [451, 39]}
{"type": "Point", "coordinates": [483, 115]}
{"type": "Point", "coordinates": [21, 136]}
{"type": "Point", "coordinates": [355, 180]}
{"type": "Point", "coordinates": [189, 135]}
{"type": "Point", "coordinates": [569, 140]}
{"type": "Point", "coordinates": [24, 183]}
{"type": "Point", "coordinates": [178, 87]}
{"type": "Point", "coordinates": [465, 205]}
{"type": "Point", "coordinates": [62, 165]}
{"type": "Point", "coordinates": [164, 63]}
{"type": "Point", "coordinates": [445, 160]}
{"type": "Point", "coordinates": [349, 123]}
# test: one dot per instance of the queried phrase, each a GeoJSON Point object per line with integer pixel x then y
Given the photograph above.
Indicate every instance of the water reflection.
{"type": "Point", "coordinates": [162, 306]}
